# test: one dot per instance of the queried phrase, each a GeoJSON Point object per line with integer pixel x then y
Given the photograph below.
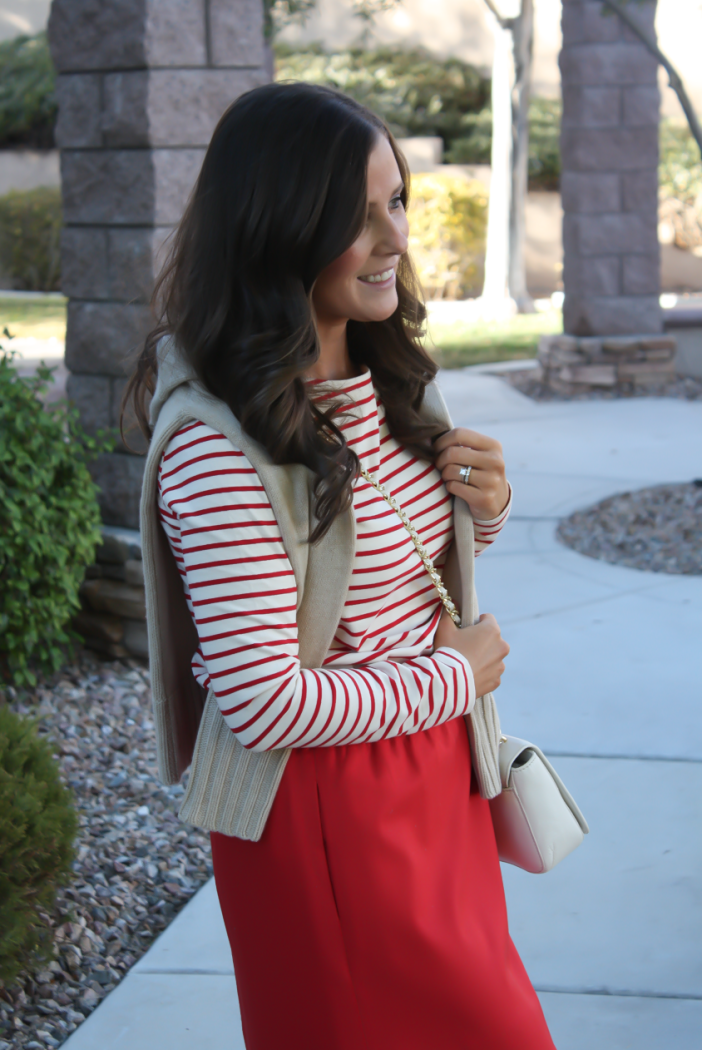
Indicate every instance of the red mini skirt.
{"type": "Point", "coordinates": [371, 914]}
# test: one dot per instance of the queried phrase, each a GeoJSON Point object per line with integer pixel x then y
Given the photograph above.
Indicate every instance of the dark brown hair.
{"type": "Point", "coordinates": [281, 194]}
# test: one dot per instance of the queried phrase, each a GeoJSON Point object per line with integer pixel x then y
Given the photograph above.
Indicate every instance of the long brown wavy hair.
{"type": "Point", "coordinates": [281, 194]}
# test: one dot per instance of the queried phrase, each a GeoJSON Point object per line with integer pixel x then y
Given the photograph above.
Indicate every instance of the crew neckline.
{"type": "Point", "coordinates": [341, 384]}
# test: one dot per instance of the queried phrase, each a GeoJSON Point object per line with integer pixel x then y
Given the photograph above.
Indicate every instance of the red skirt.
{"type": "Point", "coordinates": [371, 914]}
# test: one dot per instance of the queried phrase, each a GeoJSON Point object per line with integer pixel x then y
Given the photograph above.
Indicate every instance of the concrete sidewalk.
{"type": "Point", "coordinates": [605, 674]}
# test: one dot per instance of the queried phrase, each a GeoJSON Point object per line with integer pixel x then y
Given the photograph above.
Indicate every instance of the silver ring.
{"type": "Point", "coordinates": [464, 474]}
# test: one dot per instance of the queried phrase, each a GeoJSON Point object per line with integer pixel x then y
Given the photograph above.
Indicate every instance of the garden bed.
{"type": "Point", "coordinates": [657, 529]}
{"type": "Point", "coordinates": [137, 864]}
{"type": "Point", "coordinates": [530, 383]}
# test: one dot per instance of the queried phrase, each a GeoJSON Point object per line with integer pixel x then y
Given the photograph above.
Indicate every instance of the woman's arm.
{"type": "Point", "coordinates": [242, 594]}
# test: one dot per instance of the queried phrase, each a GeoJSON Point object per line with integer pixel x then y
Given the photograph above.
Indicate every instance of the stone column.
{"type": "Point", "coordinates": [609, 182]}
{"type": "Point", "coordinates": [141, 85]}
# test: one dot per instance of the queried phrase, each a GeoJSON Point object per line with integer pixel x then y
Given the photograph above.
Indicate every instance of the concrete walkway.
{"type": "Point", "coordinates": [605, 674]}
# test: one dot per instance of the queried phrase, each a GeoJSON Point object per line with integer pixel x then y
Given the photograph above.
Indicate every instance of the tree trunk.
{"type": "Point", "coordinates": [522, 44]}
{"type": "Point", "coordinates": [496, 302]}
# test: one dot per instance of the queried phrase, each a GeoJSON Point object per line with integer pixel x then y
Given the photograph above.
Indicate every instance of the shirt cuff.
{"type": "Point", "coordinates": [454, 655]}
{"type": "Point", "coordinates": [500, 519]}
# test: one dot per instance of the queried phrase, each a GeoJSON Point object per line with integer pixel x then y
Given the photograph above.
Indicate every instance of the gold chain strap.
{"type": "Point", "coordinates": [421, 549]}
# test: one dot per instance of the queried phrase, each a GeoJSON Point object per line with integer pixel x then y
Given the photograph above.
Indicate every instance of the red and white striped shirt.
{"type": "Point", "coordinates": [380, 678]}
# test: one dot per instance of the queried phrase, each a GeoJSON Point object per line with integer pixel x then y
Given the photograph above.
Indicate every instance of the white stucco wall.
{"type": "Point", "coordinates": [456, 27]}
{"type": "Point", "coordinates": [460, 27]}
{"type": "Point", "coordinates": [22, 16]}
{"type": "Point", "coordinates": [446, 27]}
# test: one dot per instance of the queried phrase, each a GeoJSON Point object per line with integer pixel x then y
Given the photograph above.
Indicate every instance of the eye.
{"type": "Point", "coordinates": [396, 203]}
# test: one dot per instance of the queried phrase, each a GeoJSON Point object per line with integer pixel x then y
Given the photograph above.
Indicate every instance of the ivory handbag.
{"type": "Point", "coordinates": [536, 820]}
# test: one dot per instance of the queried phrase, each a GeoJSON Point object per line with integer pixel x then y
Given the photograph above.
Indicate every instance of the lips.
{"type": "Point", "coordinates": [378, 278]}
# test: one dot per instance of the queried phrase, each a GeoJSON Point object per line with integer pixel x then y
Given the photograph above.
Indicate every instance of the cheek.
{"type": "Point", "coordinates": [337, 276]}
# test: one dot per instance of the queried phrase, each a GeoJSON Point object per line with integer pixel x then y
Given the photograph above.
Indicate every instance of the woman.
{"type": "Point", "coordinates": [354, 857]}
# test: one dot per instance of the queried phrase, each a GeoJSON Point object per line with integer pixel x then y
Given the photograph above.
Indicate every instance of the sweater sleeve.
{"type": "Point", "coordinates": [486, 532]}
{"type": "Point", "coordinates": [241, 591]}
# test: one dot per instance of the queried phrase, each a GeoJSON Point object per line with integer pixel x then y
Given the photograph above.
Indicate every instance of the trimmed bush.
{"type": "Point", "coordinates": [448, 220]}
{"type": "Point", "coordinates": [415, 92]}
{"type": "Point", "coordinates": [419, 94]}
{"type": "Point", "coordinates": [38, 825]}
{"type": "Point", "coordinates": [27, 101]}
{"type": "Point", "coordinates": [49, 522]}
{"type": "Point", "coordinates": [30, 234]}
{"type": "Point", "coordinates": [475, 142]}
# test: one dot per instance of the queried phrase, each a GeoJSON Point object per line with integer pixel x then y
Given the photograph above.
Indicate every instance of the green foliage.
{"type": "Point", "coordinates": [419, 94]}
{"type": "Point", "coordinates": [280, 13]}
{"type": "Point", "coordinates": [448, 221]}
{"type": "Point", "coordinates": [680, 171]}
{"type": "Point", "coordinates": [49, 521]}
{"type": "Point", "coordinates": [474, 144]}
{"type": "Point", "coordinates": [544, 142]}
{"type": "Point", "coordinates": [37, 827]}
{"type": "Point", "coordinates": [416, 93]}
{"type": "Point", "coordinates": [30, 233]}
{"type": "Point", "coordinates": [27, 101]}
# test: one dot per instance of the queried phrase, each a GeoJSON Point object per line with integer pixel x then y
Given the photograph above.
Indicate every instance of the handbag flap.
{"type": "Point", "coordinates": [511, 748]}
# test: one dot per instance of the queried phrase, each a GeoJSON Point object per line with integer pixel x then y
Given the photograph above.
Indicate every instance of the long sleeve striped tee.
{"type": "Point", "coordinates": [380, 677]}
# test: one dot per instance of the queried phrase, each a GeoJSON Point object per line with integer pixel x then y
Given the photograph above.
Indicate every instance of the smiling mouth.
{"type": "Point", "coordinates": [384, 277]}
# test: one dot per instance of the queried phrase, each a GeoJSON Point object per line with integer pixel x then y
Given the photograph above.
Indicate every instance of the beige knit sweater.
{"type": "Point", "coordinates": [230, 789]}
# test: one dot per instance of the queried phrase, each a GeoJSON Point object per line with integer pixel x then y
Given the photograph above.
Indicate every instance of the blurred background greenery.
{"type": "Point", "coordinates": [419, 95]}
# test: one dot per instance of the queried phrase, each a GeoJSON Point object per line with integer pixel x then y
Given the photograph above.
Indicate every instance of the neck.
{"type": "Point", "coordinates": [334, 361]}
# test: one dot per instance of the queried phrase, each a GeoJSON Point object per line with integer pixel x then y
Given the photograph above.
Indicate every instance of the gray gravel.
{"type": "Point", "coordinates": [657, 529]}
{"type": "Point", "coordinates": [527, 382]}
{"type": "Point", "coordinates": [137, 864]}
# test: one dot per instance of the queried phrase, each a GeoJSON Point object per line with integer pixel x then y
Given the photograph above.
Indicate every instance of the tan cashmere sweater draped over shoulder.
{"type": "Point", "coordinates": [230, 789]}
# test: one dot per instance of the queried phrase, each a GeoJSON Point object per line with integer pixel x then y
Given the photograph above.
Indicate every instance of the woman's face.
{"type": "Point", "coordinates": [360, 284]}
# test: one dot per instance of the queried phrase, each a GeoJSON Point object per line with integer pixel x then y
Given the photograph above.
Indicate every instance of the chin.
{"type": "Point", "coordinates": [379, 311]}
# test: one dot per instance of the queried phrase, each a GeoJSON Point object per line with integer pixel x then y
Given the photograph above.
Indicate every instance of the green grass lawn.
{"type": "Point", "coordinates": [455, 344]}
{"type": "Point", "coordinates": [461, 343]}
{"type": "Point", "coordinates": [40, 318]}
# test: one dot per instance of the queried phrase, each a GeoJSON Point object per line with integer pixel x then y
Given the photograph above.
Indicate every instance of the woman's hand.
{"type": "Point", "coordinates": [482, 645]}
{"type": "Point", "coordinates": [487, 491]}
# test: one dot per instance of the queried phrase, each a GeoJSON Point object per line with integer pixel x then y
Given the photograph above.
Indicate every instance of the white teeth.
{"type": "Point", "coordinates": [379, 277]}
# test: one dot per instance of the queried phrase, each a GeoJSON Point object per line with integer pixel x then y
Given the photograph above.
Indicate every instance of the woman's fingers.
{"type": "Point", "coordinates": [483, 647]}
{"type": "Point", "coordinates": [467, 457]}
{"type": "Point", "coordinates": [486, 491]}
{"type": "Point", "coordinates": [464, 436]}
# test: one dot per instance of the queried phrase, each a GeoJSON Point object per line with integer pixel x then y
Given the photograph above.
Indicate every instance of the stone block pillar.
{"type": "Point", "coordinates": [141, 85]}
{"type": "Point", "coordinates": [609, 182]}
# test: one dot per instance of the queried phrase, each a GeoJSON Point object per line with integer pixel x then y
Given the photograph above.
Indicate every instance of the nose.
{"type": "Point", "coordinates": [394, 238]}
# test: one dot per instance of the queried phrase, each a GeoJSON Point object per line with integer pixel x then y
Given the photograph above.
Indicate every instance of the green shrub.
{"type": "Point", "coordinates": [30, 234]}
{"type": "Point", "coordinates": [475, 142]}
{"type": "Point", "coordinates": [27, 101]}
{"type": "Point", "coordinates": [37, 827]}
{"type": "Point", "coordinates": [415, 92]}
{"type": "Point", "coordinates": [680, 170]}
{"type": "Point", "coordinates": [448, 220]}
{"type": "Point", "coordinates": [49, 522]}
{"type": "Point", "coordinates": [419, 94]}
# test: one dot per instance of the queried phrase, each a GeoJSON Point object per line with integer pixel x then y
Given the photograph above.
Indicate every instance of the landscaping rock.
{"type": "Point", "coordinates": [111, 596]}
{"type": "Point", "coordinates": [532, 383]}
{"type": "Point", "coordinates": [136, 864]}
{"type": "Point", "coordinates": [569, 365]}
{"type": "Point", "coordinates": [656, 529]}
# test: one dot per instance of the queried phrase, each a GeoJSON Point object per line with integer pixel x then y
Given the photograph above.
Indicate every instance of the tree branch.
{"type": "Point", "coordinates": [506, 23]}
{"type": "Point", "coordinates": [673, 75]}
